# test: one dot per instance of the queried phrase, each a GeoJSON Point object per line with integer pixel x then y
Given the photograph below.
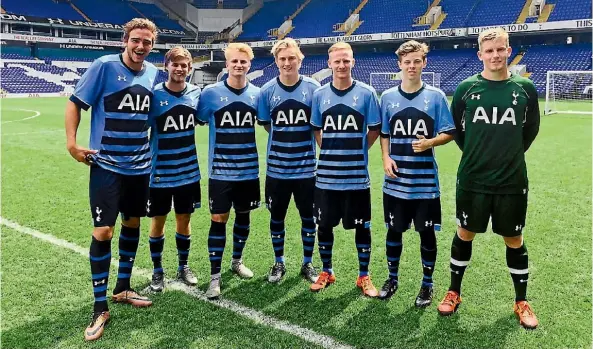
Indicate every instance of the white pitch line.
{"type": "Point", "coordinates": [252, 314]}
{"type": "Point", "coordinates": [36, 114]}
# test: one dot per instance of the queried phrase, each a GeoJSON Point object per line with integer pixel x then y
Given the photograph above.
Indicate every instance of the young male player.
{"type": "Point", "coordinates": [230, 107]}
{"type": "Point", "coordinates": [285, 112]}
{"type": "Point", "coordinates": [175, 176]}
{"type": "Point", "coordinates": [118, 89]}
{"type": "Point", "coordinates": [496, 115]}
{"type": "Point", "coordinates": [343, 111]}
{"type": "Point", "coordinates": [415, 119]}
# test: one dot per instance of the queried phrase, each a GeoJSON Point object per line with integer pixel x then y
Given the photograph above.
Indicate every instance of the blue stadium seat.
{"type": "Point", "coordinates": [268, 17]}
{"type": "Point", "coordinates": [569, 9]}
{"type": "Point", "coordinates": [41, 8]}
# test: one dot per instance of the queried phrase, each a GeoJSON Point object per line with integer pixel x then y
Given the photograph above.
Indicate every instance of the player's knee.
{"type": "Point", "coordinates": [131, 222]}
{"type": "Point", "coordinates": [103, 233]}
{"type": "Point", "coordinates": [465, 234]}
{"type": "Point", "coordinates": [514, 241]}
{"type": "Point", "coordinates": [220, 218]}
{"type": "Point", "coordinates": [182, 221]}
{"type": "Point", "coordinates": [428, 238]}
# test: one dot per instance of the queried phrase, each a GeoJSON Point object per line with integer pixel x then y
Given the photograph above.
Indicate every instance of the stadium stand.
{"type": "Point", "coordinates": [378, 16]}
{"type": "Point", "coordinates": [154, 13]}
{"type": "Point", "coordinates": [41, 8]}
{"type": "Point", "coordinates": [325, 14]}
{"type": "Point", "coordinates": [569, 9]}
{"type": "Point", "coordinates": [485, 14]}
{"type": "Point", "coordinates": [270, 16]}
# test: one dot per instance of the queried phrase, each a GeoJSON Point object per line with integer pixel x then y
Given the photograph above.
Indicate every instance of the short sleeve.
{"type": "Point", "coordinates": [373, 112]}
{"type": "Point", "coordinates": [384, 116]}
{"type": "Point", "coordinates": [316, 112]}
{"type": "Point", "coordinates": [444, 117]}
{"type": "Point", "coordinates": [203, 108]}
{"type": "Point", "coordinates": [89, 87]}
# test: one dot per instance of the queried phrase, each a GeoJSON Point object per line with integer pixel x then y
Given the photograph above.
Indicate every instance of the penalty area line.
{"type": "Point", "coordinates": [251, 314]}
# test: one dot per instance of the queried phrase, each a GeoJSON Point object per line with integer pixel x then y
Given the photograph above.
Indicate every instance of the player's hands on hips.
{"type": "Point", "coordinates": [421, 144]}
{"type": "Point", "coordinates": [389, 167]}
{"type": "Point", "coordinates": [80, 154]}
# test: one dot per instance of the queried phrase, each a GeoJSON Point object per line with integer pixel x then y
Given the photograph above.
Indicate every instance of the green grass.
{"type": "Point", "coordinates": [46, 293]}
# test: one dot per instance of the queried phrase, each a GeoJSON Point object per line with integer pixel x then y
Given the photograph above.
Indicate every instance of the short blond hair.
{"type": "Point", "coordinates": [287, 43]}
{"type": "Point", "coordinates": [339, 46]}
{"type": "Point", "coordinates": [139, 23]}
{"type": "Point", "coordinates": [241, 47]}
{"type": "Point", "coordinates": [177, 53]}
{"type": "Point", "coordinates": [411, 46]}
{"type": "Point", "coordinates": [493, 34]}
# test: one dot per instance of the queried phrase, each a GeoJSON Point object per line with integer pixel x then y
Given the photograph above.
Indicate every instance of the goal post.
{"type": "Point", "coordinates": [569, 92]}
{"type": "Point", "coordinates": [384, 81]}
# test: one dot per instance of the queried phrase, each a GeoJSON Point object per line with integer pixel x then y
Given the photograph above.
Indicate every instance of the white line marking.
{"type": "Point", "coordinates": [254, 315]}
{"type": "Point", "coordinates": [36, 114]}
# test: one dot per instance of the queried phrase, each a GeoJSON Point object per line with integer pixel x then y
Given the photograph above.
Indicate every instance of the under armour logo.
{"type": "Point", "coordinates": [95, 283]}
{"type": "Point", "coordinates": [164, 103]}
{"type": "Point", "coordinates": [355, 100]}
{"type": "Point", "coordinates": [394, 105]}
{"type": "Point", "coordinates": [120, 78]}
{"type": "Point", "coordinates": [515, 95]}
{"type": "Point", "coordinates": [464, 215]}
{"type": "Point", "coordinates": [276, 98]}
{"type": "Point", "coordinates": [518, 227]}
{"type": "Point", "coordinates": [358, 221]}
{"type": "Point", "coordinates": [365, 250]}
{"type": "Point", "coordinates": [476, 97]}
{"type": "Point", "coordinates": [55, 21]}
{"type": "Point", "coordinates": [428, 224]}
{"type": "Point", "coordinates": [98, 211]}
{"type": "Point", "coordinates": [326, 101]}
{"type": "Point", "coordinates": [224, 99]}
{"type": "Point", "coordinates": [254, 203]}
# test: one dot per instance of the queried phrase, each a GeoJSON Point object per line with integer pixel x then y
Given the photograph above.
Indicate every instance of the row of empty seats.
{"type": "Point", "coordinates": [224, 4]}
{"type": "Point", "coordinates": [109, 11]}
{"type": "Point", "coordinates": [452, 65]}
{"type": "Point", "coordinates": [384, 16]}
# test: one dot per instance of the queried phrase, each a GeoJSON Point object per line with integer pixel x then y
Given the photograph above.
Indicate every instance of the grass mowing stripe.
{"type": "Point", "coordinates": [254, 315]}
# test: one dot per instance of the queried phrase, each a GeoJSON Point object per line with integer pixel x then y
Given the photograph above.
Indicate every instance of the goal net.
{"type": "Point", "coordinates": [385, 81]}
{"type": "Point", "coordinates": [569, 92]}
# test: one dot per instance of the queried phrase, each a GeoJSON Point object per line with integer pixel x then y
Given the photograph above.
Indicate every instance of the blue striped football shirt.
{"type": "Point", "coordinates": [344, 117]}
{"type": "Point", "coordinates": [231, 114]}
{"type": "Point", "coordinates": [172, 137]}
{"type": "Point", "coordinates": [404, 117]}
{"type": "Point", "coordinates": [120, 99]}
{"type": "Point", "coordinates": [291, 144]}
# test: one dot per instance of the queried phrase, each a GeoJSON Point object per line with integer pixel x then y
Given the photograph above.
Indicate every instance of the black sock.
{"type": "Point", "coordinates": [183, 243]}
{"type": "Point", "coordinates": [428, 254]}
{"type": "Point", "coordinates": [308, 238]}
{"type": "Point", "coordinates": [128, 245]}
{"type": "Point", "coordinates": [240, 234]}
{"type": "Point", "coordinates": [216, 242]}
{"type": "Point", "coordinates": [461, 253]}
{"type": "Point", "coordinates": [156, 252]}
{"type": "Point", "coordinates": [326, 244]}
{"type": "Point", "coordinates": [517, 261]}
{"type": "Point", "coordinates": [277, 232]}
{"type": "Point", "coordinates": [362, 238]}
{"type": "Point", "coordinates": [100, 258]}
{"type": "Point", "coordinates": [393, 250]}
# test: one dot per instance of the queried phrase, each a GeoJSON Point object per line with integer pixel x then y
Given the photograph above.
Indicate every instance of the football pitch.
{"type": "Point", "coordinates": [47, 297]}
